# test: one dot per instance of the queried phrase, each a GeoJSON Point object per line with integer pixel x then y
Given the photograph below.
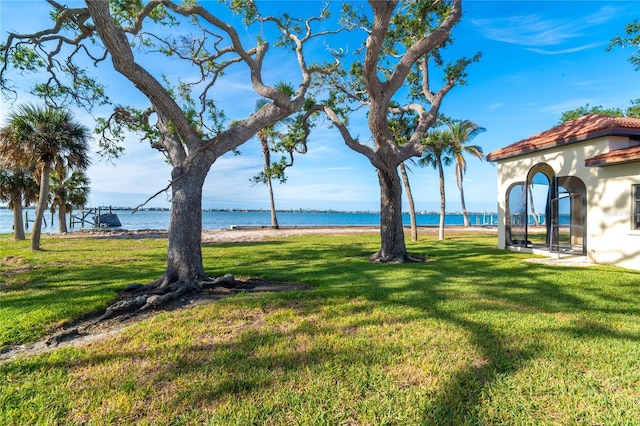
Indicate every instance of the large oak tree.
{"type": "Point", "coordinates": [404, 44]}
{"type": "Point", "coordinates": [182, 119]}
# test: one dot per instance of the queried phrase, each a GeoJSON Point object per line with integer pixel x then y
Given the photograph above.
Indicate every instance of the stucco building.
{"type": "Point", "coordinates": [573, 190]}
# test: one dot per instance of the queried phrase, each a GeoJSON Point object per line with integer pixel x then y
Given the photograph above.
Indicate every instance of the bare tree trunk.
{"type": "Point", "coordinates": [536, 222]}
{"type": "Point", "coordinates": [62, 218]}
{"type": "Point", "coordinates": [267, 164]}
{"type": "Point", "coordinates": [41, 206]}
{"type": "Point", "coordinates": [465, 216]}
{"type": "Point", "coordinates": [274, 217]}
{"type": "Point", "coordinates": [443, 203]}
{"type": "Point", "coordinates": [185, 270]}
{"type": "Point", "coordinates": [412, 209]}
{"type": "Point", "coordinates": [18, 224]}
{"type": "Point", "coordinates": [392, 248]}
{"type": "Point", "coordinates": [184, 254]}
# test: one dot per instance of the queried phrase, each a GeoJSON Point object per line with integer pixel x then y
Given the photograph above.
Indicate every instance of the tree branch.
{"type": "Point", "coordinates": [116, 42]}
{"type": "Point", "coordinates": [349, 140]}
{"type": "Point", "coordinates": [418, 49]}
{"type": "Point", "coordinates": [138, 207]}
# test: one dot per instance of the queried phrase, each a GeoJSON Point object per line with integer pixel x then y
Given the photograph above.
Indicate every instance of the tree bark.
{"type": "Point", "coordinates": [185, 270]}
{"type": "Point", "coordinates": [18, 224]}
{"type": "Point", "coordinates": [41, 206]}
{"type": "Point", "coordinates": [392, 248]}
{"type": "Point", "coordinates": [536, 222]}
{"type": "Point", "coordinates": [267, 164]}
{"type": "Point", "coordinates": [184, 254]}
{"type": "Point", "coordinates": [465, 216]}
{"type": "Point", "coordinates": [274, 217]}
{"type": "Point", "coordinates": [443, 202]}
{"type": "Point", "coordinates": [62, 218]}
{"type": "Point", "coordinates": [412, 209]}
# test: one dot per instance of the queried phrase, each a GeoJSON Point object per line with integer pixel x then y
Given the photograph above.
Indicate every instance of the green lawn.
{"type": "Point", "coordinates": [478, 336]}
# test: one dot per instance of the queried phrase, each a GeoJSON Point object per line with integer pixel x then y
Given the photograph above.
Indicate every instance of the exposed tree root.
{"type": "Point", "coordinates": [91, 328]}
{"type": "Point", "coordinates": [405, 258]}
{"type": "Point", "coordinates": [139, 298]}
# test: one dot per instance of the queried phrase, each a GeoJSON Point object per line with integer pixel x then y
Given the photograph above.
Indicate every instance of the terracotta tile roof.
{"type": "Point", "coordinates": [617, 156]}
{"type": "Point", "coordinates": [578, 130]}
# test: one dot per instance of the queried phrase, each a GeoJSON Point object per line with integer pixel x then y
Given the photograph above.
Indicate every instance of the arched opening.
{"type": "Point", "coordinates": [547, 212]}
{"type": "Point", "coordinates": [570, 203]}
{"type": "Point", "coordinates": [541, 188]}
{"type": "Point", "coordinates": [516, 216]}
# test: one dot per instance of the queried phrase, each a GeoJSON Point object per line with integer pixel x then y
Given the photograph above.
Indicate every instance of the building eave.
{"type": "Point", "coordinates": [579, 130]}
{"type": "Point", "coordinates": [615, 157]}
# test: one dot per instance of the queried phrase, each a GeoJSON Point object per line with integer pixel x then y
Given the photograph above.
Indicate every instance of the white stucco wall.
{"type": "Point", "coordinates": [609, 239]}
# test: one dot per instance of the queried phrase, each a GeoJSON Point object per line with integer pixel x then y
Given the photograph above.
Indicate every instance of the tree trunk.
{"type": "Point", "coordinates": [465, 216]}
{"type": "Point", "coordinates": [412, 209]}
{"type": "Point", "coordinates": [267, 164]}
{"type": "Point", "coordinates": [18, 224]}
{"type": "Point", "coordinates": [62, 218]}
{"type": "Point", "coordinates": [392, 247]}
{"type": "Point", "coordinates": [274, 218]}
{"type": "Point", "coordinates": [185, 271]}
{"type": "Point", "coordinates": [184, 254]}
{"type": "Point", "coordinates": [41, 206]}
{"type": "Point", "coordinates": [443, 203]}
{"type": "Point", "coordinates": [536, 222]}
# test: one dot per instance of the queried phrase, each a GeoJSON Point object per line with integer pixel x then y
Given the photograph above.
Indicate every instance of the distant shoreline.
{"type": "Point", "coordinates": [145, 220]}
{"type": "Point", "coordinates": [237, 210]}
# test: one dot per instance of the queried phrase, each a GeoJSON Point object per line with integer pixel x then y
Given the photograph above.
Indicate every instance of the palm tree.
{"type": "Point", "coordinates": [67, 193]}
{"type": "Point", "coordinates": [44, 137]}
{"type": "Point", "coordinates": [264, 136]}
{"type": "Point", "coordinates": [438, 154]}
{"type": "Point", "coordinates": [273, 140]}
{"type": "Point", "coordinates": [18, 189]}
{"type": "Point", "coordinates": [462, 132]}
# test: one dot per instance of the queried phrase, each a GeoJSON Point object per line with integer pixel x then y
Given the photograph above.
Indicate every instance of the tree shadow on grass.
{"type": "Point", "coordinates": [501, 282]}
{"type": "Point", "coordinates": [483, 280]}
{"type": "Point", "coordinates": [459, 399]}
{"type": "Point", "coordinates": [532, 289]}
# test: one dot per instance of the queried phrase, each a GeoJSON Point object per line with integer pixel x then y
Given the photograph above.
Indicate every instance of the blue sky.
{"type": "Point", "coordinates": [540, 58]}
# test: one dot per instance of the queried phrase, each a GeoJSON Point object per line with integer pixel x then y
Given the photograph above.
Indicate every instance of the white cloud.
{"type": "Point", "coordinates": [527, 30]}
{"type": "Point", "coordinates": [565, 51]}
{"type": "Point", "coordinates": [536, 30]}
{"type": "Point", "coordinates": [604, 15]}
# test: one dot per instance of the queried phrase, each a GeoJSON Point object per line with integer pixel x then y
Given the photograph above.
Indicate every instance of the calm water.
{"type": "Point", "coordinates": [218, 220]}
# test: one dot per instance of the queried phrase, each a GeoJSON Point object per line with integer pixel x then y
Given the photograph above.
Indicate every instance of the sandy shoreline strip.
{"type": "Point", "coordinates": [260, 233]}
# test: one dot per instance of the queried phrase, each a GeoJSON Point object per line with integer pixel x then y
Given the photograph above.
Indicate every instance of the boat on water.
{"type": "Point", "coordinates": [106, 220]}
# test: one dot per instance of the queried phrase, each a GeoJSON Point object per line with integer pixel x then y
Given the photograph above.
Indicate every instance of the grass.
{"type": "Point", "coordinates": [479, 336]}
{"type": "Point", "coordinates": [69, 279]}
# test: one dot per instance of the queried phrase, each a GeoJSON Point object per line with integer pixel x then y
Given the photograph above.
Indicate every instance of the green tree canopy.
{"type": "Point", "coordinates": [406, 42]}
{"type": "Point", "coordinates": [462, 133]}
{"type": "Point", "coordinates": [632, 111]}
{"type": "Point", "coordinates": [631, 39]}
{"type": "Point", "coordinates": [18, 189]}
{"type": "Point", "coordinates": [438, 153]}
{"type": "Point", "coordinates": [68, 191]}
